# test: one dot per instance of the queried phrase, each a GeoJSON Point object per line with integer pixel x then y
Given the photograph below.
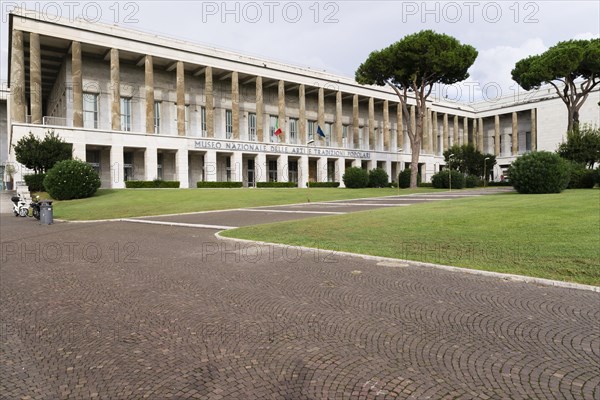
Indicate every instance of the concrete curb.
{"type": "Point", "coordinates": [497, 275]}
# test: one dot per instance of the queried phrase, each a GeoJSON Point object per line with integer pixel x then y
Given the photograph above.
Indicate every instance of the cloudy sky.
{"type": "Point", "coordinates": [338, 35]}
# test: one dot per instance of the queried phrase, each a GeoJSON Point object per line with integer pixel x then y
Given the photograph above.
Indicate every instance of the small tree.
{"type": "Point", "coordinates": [414, 64]}
{"type": "Point", "coordinates": [582, 146]}
{"type": "Point", "coordinates": [41, 155]}
{"type": "Point", "coordinates": [470, 161]}
{"type": "Point", "coordinates": [571, 67]}
{"type": "Point", "coordinates": [355, 178]}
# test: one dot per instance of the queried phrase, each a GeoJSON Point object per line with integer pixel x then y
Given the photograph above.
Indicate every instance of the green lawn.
{"type": "Point", "coordinates": [125, 203]}
{"type": "Point", "coordinates": [554, 236]}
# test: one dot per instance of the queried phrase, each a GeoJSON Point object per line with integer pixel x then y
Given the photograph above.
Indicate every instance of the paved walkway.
{"type": "Point", "coordinates": [121, 310]}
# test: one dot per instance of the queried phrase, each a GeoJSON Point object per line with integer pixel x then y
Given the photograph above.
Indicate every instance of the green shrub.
{"type": "Point", "coordinates": [276, 184]}
{"type": "Point", "coordinates": [425, 184]}
{"type": "Point", "coordinates": [539, 172]}
{"type": "Point", "coordinates": [324, 184]}
{"type": "Point", "coordinates": [503, 183]}
{"type": "Point", "coordinates": [71, 179]}
{"type": "Point", "coordinates": [597, 176]}
{"type": "Point", "coordinates": [378, 178]}
{"type": "Point", "coordinates": [472, 181]}
{"type": "Point", "coordinates": [35, 182]}
{"type": "Point", "coordinates": [354, 178]}
{"type": "Point", "coordinates": [157, 183]}
{"type": "Point", "coordinates": [215, 185]}
{"type": "Point", "coordinates": [404, 178]}
{"type": "Point", "coordinates": [581, 177]}
{"type": "Point", "coordinates": [441, 180]}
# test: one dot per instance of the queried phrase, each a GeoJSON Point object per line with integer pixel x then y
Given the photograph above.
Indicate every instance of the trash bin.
{"type": "Point", "coordinates": [46, 214]}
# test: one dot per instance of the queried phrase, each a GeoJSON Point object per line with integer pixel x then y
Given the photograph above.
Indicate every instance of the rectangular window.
{"type": "Point", "coordinates": [252, 127]}
{"type": "Point", "coordinates": [128, 166]}
{"type": "Point", "coordinates": [272, 170]}
{"type": "Point", "coordinates": [228, 169]}
{"type": "Point", "coordinates": [272, 128]}
{"type": "Point", "coordinates": [293, 131]}
{"type": "Point", "coordinates": [157, 117]}
{"type": "Point", "coordinates": [328, 130]}
{"type": "Point", "coordinates": [203, 120]}
{"type": "Point", "coordinates": [159, 166]}
{"type": "Point", "coordinates": [126, 114]}
{"type": "Point", "coordinates": [312, 129]}
{"type": "Point", "coordinates": [90, 110]}
{"type": "Point", "coordinates": [92, 157]}
{"type": "Point", "coordinates": [527, 141]}
{"type": "Point", "coordinates": [344, 136]}
{"type": "Point", "coordinates": [293, 171]}
{"type": "Point", "coordinates": [228, 124]}
{"type": "Point", "coordinates": [361, 142]}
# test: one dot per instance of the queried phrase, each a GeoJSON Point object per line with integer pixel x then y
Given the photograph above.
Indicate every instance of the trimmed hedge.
{"type": "Point", "coordinates": [539, 172]}
{"type": "Point", "coordinates": [355, 178]}
{"type": "Point", "coordinates": [156, 184]}
{"type": "Point", "coordinates": [35, 182]}
{"type": "Point", "coordinates": [324, 184]}
{"type": "Point", "coordinates": [472, 181]}
{"type": "Point", "coordinates": [502, 183]}
{"type": "Point", "coordinates": [71, 179]}
{"type": "Point", "coordinates": [441, 180]}
{"type": "Point", "coordinates": [404, 178]}
{"type": "Point", "coordinates": [276, 184]}
{"type": "Point", "coordinates": [378, 178]}
{"type": "Point", "coordinates": [425, 184]}
{"type": "Point", "coordinates": [218, 185]}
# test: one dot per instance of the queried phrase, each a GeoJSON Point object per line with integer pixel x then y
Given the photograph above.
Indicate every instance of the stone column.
{"type": "Point", "coordinates": [465, 131]}
{"type": "Point", "coordinates": [150, 163]}
{"type": "Point", "coordinates": [386, 125]}
{"type": "Point", "coordinates": [182, 168]}
{"type": "Point", "coordinates": [339, 131]}
{"type": "Point", "coordinates": [400, 129]}
{"type": "Point", "coordinates": [17, 78]}
{"type": "Point", "coordinates": [282, 168]}
{"type": "Point", "coordinates": [435, 133]}
{"type": "Point", "coordinates": [260, 109]}
{"type": "Point", "coordinates": [426, 135]}
{"type": "Point", "coordinates": [260, 167]}
{"type": "Point", "coordinates": [210, 107]}
{"type": "Point", "coordinates": [474, 133]}
{"type": "Point", "coordinates": [413, 120]}
{"type": "Point", "coordinates": [302, 120]}
{"type": "Point", "coordinates": [35, 78]}
{"type": "Point", "coordinates": [455, 135]}
{"type": "Point", "coordinates": [480, 135]}
{"type": "Point", "coordinates": [388, 169]}
{"type": "Point", "coordinates": [237, 166]}
{"type": "Point", "coordinates": [79, 152]}
{"type": "Point", "coordinates": [445, 131]}
{"type": "Point", "coordinates": [372, 138]}
{"type": "Point", "coordinates": [235, 105]}
{"type": "Point", "coordinates": [116, 166]}
{"type": "Point", "coordinates": [149, 89]}
{"type": "Point", "coordinates": [321, 111]}
{"type": "Point", "coordinates": [322, 169]}
{"type": "Point", "coordinates": [340, 169]}
{"type": "Point", "coordinates": [355, 122]}
{"type": "Point", "coordinates": [302, 171]}
{"type": "Point", "coordinates": [356, 163]}
{"type": "Point", "coordinates": [533, 129]}
{"type": "Point", "coordinates": [281, 116]}
{"type": "Point", "coordinates": [210, 166]}
{"type": "Point", "coordinates": [115, 83]}
{"type": "Point", "coordinates": [497, 135]}
{"type": "Point", "coordinates": [180, 99]}
{"type": "Point", "coordinates": [77, 80]}
{"type": "Point", "coordinates": [515, 134]}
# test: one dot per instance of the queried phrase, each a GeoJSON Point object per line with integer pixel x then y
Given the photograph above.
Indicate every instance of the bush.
{"type": "Point", "coordinates": [472, 181]}
{"type": "Point", "coordinates": [404, 178]}
{"type": "Point", "coordinates": [441, 180]}
{"type": "Point", "coordinates": [155, 184]}
{"type": "Point", "coordinates": [597, 175]}
{"type": "Point", "coordinates": [354, 178]}
{"type": "Point", "coordinates": [35, 182]}
{"type": "Point", "coordinates": [71, 179]}
{"type": "Point", "coordinates": [539, 172]}
{"type": "Point", "coordinates": [214, 185]}
{"type": "Point", "coordinates": [581, 177]}
{"type": "Point", "coordinates": [502, 183]}
{"type": "Point", "coordinates": [378, 178]}
{"type": "Point", "coordinates": [425, 184]}
{"type": "Point", "coordinates": [324, 184]}
{"type": "Point", "coordinates": [276, 184]}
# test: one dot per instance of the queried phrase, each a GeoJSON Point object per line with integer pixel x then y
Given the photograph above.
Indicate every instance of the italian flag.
{"type": "Point", "coordinates": [278, 130]}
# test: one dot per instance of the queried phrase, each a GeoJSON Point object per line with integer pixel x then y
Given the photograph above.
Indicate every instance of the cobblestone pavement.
{"type": "Point", "coordinates": [117, 310]}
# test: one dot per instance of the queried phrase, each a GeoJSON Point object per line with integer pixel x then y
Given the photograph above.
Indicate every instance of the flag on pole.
{"type": "Point", "coordinates": [278, 130]}
{"type": "Point", "coordinates": [320, 131]}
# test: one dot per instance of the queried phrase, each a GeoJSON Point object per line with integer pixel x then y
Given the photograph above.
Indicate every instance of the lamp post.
{"type": "Point", "coordinates": [311, 141]}
{"type": "Point", "coordinates": [484, 171]}
{"type": "Point", "coordinates": [398, 169]}
{"type": "Point", "coordinates": [450, 171]}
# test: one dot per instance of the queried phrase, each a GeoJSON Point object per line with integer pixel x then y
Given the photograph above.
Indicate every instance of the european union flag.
{"type": "Point", "coordinates": [320, 131]}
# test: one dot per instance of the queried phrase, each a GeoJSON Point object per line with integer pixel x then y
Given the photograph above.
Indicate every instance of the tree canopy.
{"type": "Point", "coordinates": [582, 146]}
{"type": "Point", "coordinates": [571, 67]}
{"type": "Point", "coordinates": [414, 64]}
{"type": "Point", "coordinates": [468, 160]}
{"type": "Point", "coordinates": [41, 155]}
